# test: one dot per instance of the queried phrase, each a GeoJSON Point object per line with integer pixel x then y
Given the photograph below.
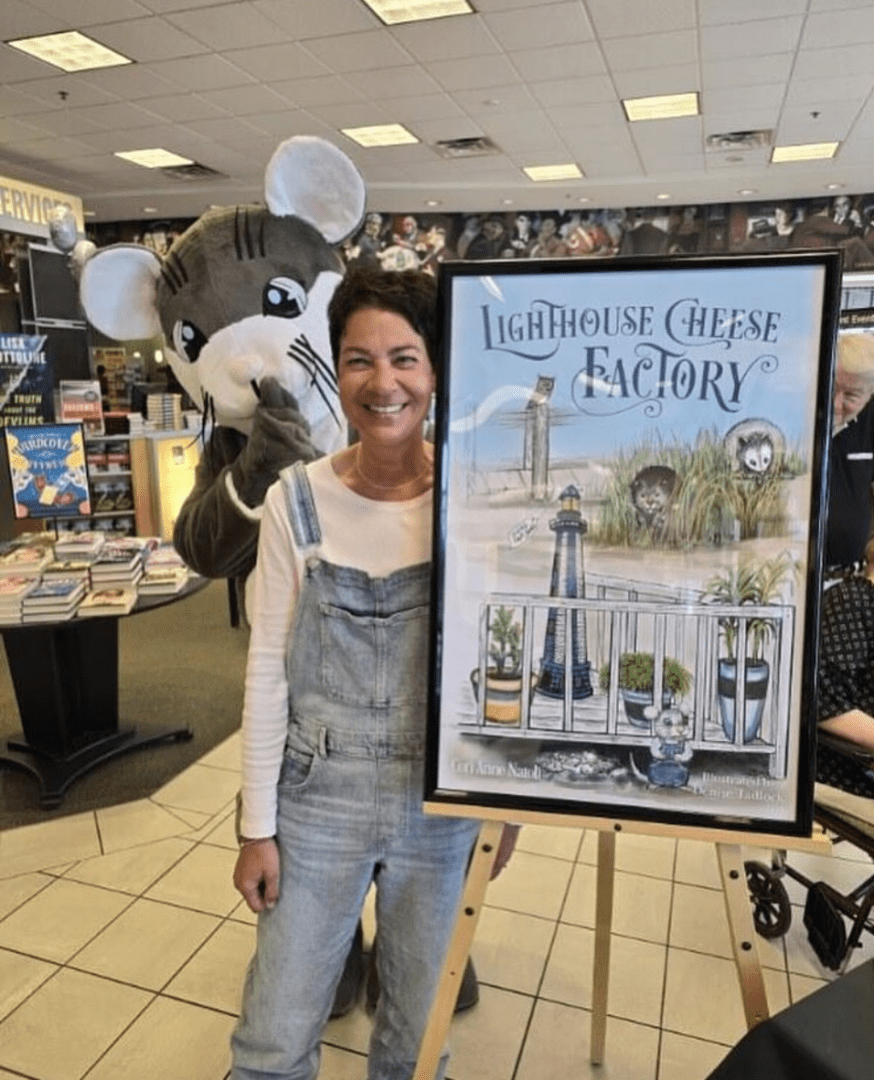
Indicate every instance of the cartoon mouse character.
{"type": "Point", "coordinates": [672, 731]}
{"type": "Point", "coordinates": [241, 298]}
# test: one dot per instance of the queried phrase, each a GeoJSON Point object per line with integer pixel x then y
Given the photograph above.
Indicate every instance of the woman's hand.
{"type": "Point", "coordinates": [506, 846]}
{"type": "Point", "coordinates": [256, 875]}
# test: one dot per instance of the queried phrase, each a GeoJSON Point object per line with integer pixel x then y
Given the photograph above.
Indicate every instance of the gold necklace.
{"type": "Point", "coordinates": [388, 487]}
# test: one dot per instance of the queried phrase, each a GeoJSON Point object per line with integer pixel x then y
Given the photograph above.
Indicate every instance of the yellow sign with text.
{"type": "Point", "coordinates": [24, 208]}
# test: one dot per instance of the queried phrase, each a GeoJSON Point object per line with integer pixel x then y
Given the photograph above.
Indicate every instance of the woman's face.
{"type": "Point", "coordinates": [385, 377]}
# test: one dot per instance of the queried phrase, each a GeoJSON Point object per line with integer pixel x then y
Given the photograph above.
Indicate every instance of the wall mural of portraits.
{"type": "Point", "coordinates": [400, 241]}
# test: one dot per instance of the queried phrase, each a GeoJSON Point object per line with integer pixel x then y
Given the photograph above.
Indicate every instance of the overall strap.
{"type": "Point", "coordinates": [301, 505]}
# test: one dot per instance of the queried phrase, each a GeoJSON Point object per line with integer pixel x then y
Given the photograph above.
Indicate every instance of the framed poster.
{"type": "Point", "coordinates": [630, 465]}
{"type": "Point", "coordinates": [26, 380]}
{"type": "Point", "coordinates": [48, 471]}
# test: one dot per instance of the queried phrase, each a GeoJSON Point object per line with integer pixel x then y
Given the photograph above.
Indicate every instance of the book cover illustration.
{"type": "Point", "coordinates": [81, 402]}
{"type": "Point", "coordinates": [56, 590]}
{"type": "Point", "coordinates": [109, 601]}
{"type": "Point", "coordinates": [630, 467]}
{"type": "Point", "coordinates": [26, 384]}
{"type": "Point", "coordinates": [47, 467]}
{"type": "Point", "coordinates": [29, 559]}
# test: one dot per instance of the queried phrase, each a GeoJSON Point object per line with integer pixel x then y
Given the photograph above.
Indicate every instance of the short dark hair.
{"type": "Point", "coordinates": [412, 294]}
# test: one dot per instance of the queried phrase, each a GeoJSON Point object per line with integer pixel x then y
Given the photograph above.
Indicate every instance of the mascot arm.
{"type": "Point", "coordinates": [280, 437]}
{"type": "Point", "coordinates": [211, 534]}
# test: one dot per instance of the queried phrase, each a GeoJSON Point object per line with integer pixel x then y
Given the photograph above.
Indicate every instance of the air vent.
{"type": "Point", "coordinates": [478, 146]}
{"type": "Point", "coordinates": [193, 173]}
{"type": "Point", "coordinates": [739, 140]}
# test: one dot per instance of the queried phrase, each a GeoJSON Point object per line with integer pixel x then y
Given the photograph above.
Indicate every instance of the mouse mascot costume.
{"type": "Point", "coordinates": [241, 298]}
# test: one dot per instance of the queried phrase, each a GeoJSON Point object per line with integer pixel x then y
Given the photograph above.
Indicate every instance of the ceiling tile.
{"type": "Point", "coordinates": [464, 75]}
{"type": "Point", "coordinates": [16, 66]}
{"type": "Point", "coordinates": [559, 62]}
{"type": "Point", "coordinates": [21, 19]}
{"type": "Point", "coordinates": [149, 39]}
{"type": "Point", "coordinates": [272, 63]}
{"type": "Point", "coordinates": [53, 149]}
{"type": "Point", "coordinates": [612, 18]}
{"type": "Point", "coordinates": [247, 100]}
{"type": "Point", "coordinates": [85, 13]}
{"type": "Point", "coordinates": [120, 116]}
{"type": "Point", "coordinates": [18, 131]}
{"type": "Point", "coordinates": [826, 28]}
{"type": "Point", "coordinates": [458, 127]}
{"type": "Point", "coordinates": [303, 21]}
{"type": "Point", "coordinates": [160, 7]}
{"type": "Point", "coordinates": [410, 111]}
{"type": "Point", "coordinates": [603, 164]}
{"type": "Point", "coordinates": [847, 59]}
{"type": "Point", "coordinates": [181, 107]}
{"type": "Point", "coordinates": [757, 38]}
{"type": "Point", "coordinates": [48, 92]}
{"type": "Point", "coordinates": [496, 99]}
{"type": "Point", "coordinates": [130, 83]}
{"type": "Point", "coordinates": [746, 72]}
{"type": "Point", "coordinates": [832, 121]}
{"type": "Point", "coordinates": [359, 52]}
{"type": "Point", "coordinates": [718, 12]}
{"type": "Point", "coordinates": [724, 121]}
{"type": "Point", "coordinates": [594, 115]}
{"type": "Point", "coordinates": [738, 99]}
{"type": "Point", "coordinates": [589, 88]}
{"type": "Point", "coordinates": [222, 129]}
{"type": "Point", "coordinates": [322, 90]}
{"type": "Point", "coordinates": [836, 87]}
{"type": "Point", "coordinates": [644, 82]}
{"type": "Point", "coordinates": [395, 83]}
{"type": "Point", "coordinates": [283, 125]}
{"type": "Point", "coordinates": [202, 73]}
{"type": "Point", "coordinates": [737, 158]}
{"type": "Point", "coordinates": [539, 25]}
{"type": "Point", "coordinates": [682, 135]}
{"type": "Point", "coordinates": [652, 50]}
{"type": "Point", "coordinates": [446, 39]}
{"type": "Point", "coordinates": [227, 26]}
{"type": "Point", "coordinates": [64, 122]}
{"type": "Point", "coordinates": [354, 114]}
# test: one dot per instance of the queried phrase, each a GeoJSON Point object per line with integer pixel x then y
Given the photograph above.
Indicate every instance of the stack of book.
{"type": "Point", "coordinates": [165, 572]}
{"type": "Point", "coordinates": [112, 600]}
{"type": "Point", "coordinates": [120, 563]}
{"type": "Point", "coordinates": [53, 601]}
{"type": "Point", "coordinates": [68, 568]}
{"type": "Point", "coordinates": [25, 560]}
{"type": "Point", "coordinates": [165, 411]}
{"type": "Point", "coordinates": [13, 589]}
{"type": "Point", "coordinates": [81, 545]}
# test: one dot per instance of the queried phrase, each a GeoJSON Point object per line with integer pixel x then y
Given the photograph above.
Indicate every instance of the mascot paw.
{"type": "Point", "coordinates": [280, 437]}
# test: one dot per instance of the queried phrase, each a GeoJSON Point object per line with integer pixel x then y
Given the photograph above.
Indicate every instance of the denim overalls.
{"type": "Point", "coordinates": [349, 813]}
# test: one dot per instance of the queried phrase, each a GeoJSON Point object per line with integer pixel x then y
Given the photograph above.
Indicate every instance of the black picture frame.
{"type": "Point", "coordinates": [623, 447]}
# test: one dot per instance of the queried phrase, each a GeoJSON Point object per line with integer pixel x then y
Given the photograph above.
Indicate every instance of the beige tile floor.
{"type": "Point", "coordinates": [123, 946]}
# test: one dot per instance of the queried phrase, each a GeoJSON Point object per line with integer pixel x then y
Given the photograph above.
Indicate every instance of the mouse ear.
{"type": "Point", "coordinates": [312, 179]}
{"type": "Point", "coordinates": [651, 712]}
{"type": "Point", "coordinates": [118, 289]}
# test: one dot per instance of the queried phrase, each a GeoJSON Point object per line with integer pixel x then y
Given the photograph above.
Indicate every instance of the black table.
{"type": "Point", "coordinates": [828, 1035]}
{"type": "Point", "coordinates": [65, 676]}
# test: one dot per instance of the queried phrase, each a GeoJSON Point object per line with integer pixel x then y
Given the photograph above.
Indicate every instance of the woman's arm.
{"type": "Point", "coordinates": [855, 726]}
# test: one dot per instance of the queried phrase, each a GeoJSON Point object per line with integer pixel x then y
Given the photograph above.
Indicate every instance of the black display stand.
{"type": "Point", "coordinates": [65, 677]}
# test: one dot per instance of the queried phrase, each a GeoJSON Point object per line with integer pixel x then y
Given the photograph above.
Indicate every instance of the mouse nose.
{"type": "Point", "coordinates": [244, 369]}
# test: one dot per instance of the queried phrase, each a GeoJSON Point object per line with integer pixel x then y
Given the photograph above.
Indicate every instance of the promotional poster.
{"type": "Point", "coordinates": [48, 472]}
{"type": "Point", "coordinates": [630, 462]}
{"type": "Point", "coordinates": [26, 383]}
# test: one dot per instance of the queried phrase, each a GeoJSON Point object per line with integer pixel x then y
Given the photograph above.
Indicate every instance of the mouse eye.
{"type": "Point", "coordinates": [284, 298]}
{"type": "Point", "coordinates": [188, 340]}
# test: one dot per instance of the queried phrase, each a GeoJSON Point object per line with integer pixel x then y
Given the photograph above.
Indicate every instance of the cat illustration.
{"type": "Point", "coordinates": [755, 453]}
{"type": "Point", "coordinates": [652, 492]}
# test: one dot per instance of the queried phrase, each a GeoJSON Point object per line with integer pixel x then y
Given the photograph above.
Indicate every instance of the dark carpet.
{"type": "Point", "coordinates": [182, 664]}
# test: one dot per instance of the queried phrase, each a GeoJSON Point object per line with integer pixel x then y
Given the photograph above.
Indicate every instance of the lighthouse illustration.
{"type": "Point", "coordinates": [568, 580]}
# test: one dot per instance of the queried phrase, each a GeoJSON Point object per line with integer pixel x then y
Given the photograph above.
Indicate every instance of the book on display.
{"type": "Point", "coordinates": [111, 601]}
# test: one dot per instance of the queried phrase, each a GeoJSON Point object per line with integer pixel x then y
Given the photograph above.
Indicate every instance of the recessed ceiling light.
{"type": "Point", "coordinates": [392, 12]}
{"type": "Point", "coordinates": [70, 51]}
{"type": "Point", "coordinates": [663, 195]}
{"type": "Point", "coordinates": [541, 173]}
{"type": "Point", "coordinates": [507, 202]}
{"type": "Point", "coordinates": [804, 152]}
{"type": "Point", "coordinates": [747, 191]}
{"type": "Point", "coordinates": [661, 108]}
{"type": "Point", "coordinates": [150, 209]}
{"type": "Point", "coordinates": [381, 135]}
{"type": "Point", "coordinates": [584, 199]}
{"type": "Point", "coordinates": [89, 213]}
{"type": "Point", "coordinates": [834, 187]}
{"type": "Point", "coordinates": [432, 202]}
{"type": "Point", "coordinates": [153, 159]}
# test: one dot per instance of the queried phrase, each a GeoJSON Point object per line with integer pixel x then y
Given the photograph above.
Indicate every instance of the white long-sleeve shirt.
{"type": "Point", "coordinates": [371, 535]}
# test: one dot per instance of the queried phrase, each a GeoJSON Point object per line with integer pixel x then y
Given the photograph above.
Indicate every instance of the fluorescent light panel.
{"type": "Point", "coordinates": [804, 152]}
{"type": "Point", "coordinates": [392, 12]}
{"type": "Point", "coordinates": [542, 173]}
{"type": "Point", "coordinates": [381, 135]}
{"type": "Point", "coordinates": [153, 159]}
{"type": "Point", "coordinates": [666, 107]}
{"type": "Point", "coordinates": [70, 51]}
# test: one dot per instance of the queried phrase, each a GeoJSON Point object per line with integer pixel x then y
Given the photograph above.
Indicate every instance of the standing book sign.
{"type": "Point", "coordinates": [630, 473]}
{"type": "Point", "coordinates": [48, 472]}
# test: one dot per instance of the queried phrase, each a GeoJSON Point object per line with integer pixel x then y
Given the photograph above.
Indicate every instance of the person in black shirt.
{"type": "Point", "coordinates": [851, 472]}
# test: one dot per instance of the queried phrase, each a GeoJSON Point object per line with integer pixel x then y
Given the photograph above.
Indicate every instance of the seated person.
{"type": "Point", "coordinates": [845, 704]}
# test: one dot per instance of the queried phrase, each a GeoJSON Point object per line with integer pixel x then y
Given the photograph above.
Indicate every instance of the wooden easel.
{"type": "Point", "coordinates": [734, 887]}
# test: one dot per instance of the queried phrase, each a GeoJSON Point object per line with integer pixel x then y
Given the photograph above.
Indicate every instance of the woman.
{"type": "Point", "coordinates": [334, 713]}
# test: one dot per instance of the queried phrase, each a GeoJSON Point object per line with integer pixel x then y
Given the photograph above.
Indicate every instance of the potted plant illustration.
{"type": "Point", "coordinates": [636, 681]}
{"type": "Point", "coordinates": [753, 584]}
{"type": "Point", "coordinates": [503, 697]}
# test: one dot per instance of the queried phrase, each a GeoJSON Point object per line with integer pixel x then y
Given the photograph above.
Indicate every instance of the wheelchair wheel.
{"type": "Point", "coordinates": [772, 912]}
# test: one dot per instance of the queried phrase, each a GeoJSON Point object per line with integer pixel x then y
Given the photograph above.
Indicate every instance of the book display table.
{"type": "Point", "coordinates": [65, 676]}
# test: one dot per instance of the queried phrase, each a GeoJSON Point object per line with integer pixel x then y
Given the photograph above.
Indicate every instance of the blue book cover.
{"type": "Point", "coordinates": [47, 468]}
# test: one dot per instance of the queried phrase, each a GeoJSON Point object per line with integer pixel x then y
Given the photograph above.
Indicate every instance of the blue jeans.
{"type": "Point", "coordinates": [346, 818]}
{"type": "Point", "coordinates": [350, 813]}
